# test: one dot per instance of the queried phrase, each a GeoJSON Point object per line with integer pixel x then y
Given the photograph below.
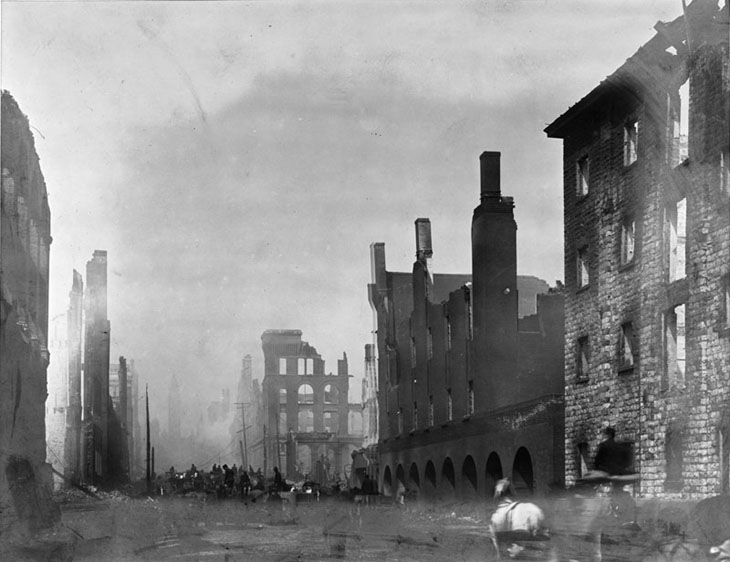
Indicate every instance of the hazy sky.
{"type": "Point", "coordinates": [236, 159]}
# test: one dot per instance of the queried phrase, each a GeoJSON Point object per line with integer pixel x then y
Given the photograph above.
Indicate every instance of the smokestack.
{"type": "Point", "coordinates": [424, 250]}
{"type": "Point", "coordinates": [490, 175]}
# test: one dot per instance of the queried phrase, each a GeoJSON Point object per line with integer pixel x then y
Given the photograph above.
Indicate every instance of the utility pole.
{"type": "Point", "coordinates": [266, 456]}
{"type": "Point", "coordinates": [147, 408]}
{"type": "Point", "coordinates": [278, 444]}
{"type": "Point", "coordinates": [244, 450]}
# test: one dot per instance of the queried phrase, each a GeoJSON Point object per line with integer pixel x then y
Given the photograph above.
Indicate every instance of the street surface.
{"type": "Point", "coordinates": [117, 528]}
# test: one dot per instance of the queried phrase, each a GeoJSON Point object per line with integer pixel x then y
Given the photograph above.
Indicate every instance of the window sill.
{"type": "Point", "coordinates": [581, 380]}
{"type": "Point", "coordinates": [626, 369]}
{"type": "Point", "coordinates": [628, 266]}
{"type": "Point", "coordinates": [582, 289]}
{"type": "Point", "coordinates": [580, 199]}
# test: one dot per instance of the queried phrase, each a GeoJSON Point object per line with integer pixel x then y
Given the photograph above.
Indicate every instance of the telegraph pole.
{"type": "Point", "coordinates": [147, 408]}
{"type": "Point", "coordinates": [266, 446]}
{"type": "Point", "coordinates": [244, 452]}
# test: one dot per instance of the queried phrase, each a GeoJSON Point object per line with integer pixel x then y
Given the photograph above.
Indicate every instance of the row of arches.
{"type": "Point", "coordinates": [305, 394]}
{"type": "Point", "coordinates": [431, 479]}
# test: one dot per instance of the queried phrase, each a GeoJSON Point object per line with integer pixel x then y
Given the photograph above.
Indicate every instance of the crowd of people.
{"type": "Point", "coordinates": [223, 480]}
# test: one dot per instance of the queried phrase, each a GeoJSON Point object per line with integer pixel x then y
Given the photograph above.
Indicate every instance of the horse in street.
{"type": "Point", "coordinates": [515, 521]}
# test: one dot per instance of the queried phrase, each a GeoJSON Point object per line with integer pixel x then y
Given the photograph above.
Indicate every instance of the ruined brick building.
{"type": "Point", "coordinates": [25, 239]}
{"type": "Point", "coordinates": [647, 259]}
{"type": "Point", "coordinates": [104, 446]}
{"type": "Point", "coordinates": [470, 390]}
{"type": "Point", "coordinates": [77, 447]}
{"type": "Point", "coordinates": [306, 412]}
{"type": "Point", "coordinates": [124, 392]}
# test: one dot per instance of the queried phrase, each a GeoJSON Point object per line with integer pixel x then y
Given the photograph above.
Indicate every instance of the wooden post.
{"type": "Point", "coordinates": [147, 408]}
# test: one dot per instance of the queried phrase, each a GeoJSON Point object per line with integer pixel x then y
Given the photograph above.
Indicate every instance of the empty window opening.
{"type": "Point", "coordinates": [399, 415]}
{"type": "Point", "coordinates": [676, 219]}
{"type": "Point", "coordinates": [725, 171]}
{"type": "Point", "coordinates": [674, 345]}
{"type": "Point", "coordinates": [309, 367]}
{"type": "Point", "coordinates": [449, 405]}
{"type": "Point", "coordinates": [301, 366]}
{"type": "Point", "coordinates": [723, 450]}
{"type": "Point", "coordinates": [631, 137]}
{"type": "Point", "coordinates": [330, 394]}
{"type": "Point", "coordinates": [413, 352]}
{"type": "Point", "coordinates": [582, 168]}
{"type": "Point", "coordinates": [282, 365]}
{"type": "Point", "coordinates": [684, 121]}
{"type": "Point", "coordinates": [628, 240]}
{"type": "Point", "coordinates": [283, 428]}
{"type": "Point", "coordinates": [470, 399]}
{"type": "Point", "coordinates": [582, 267]}
{"type": "Point", "coordinates": [331, 422]}
{"type": "Point", "coordinates": [674, 452]}
{"type": "Point", "coordinates": [583, 461]}
{"type": "Point", "coordinates": [726, 302]}
{"type": "Point", "coordinates": [626, 346]}
{"type": "Point", "coordinates": [678, 123]}
{"type": "Point", "coordinates": [430, 411]}
{"type": "Point", "coordinates": [282, 396]}
{"type": "Point", "coordinates": [306, 420]}
{"type": "Point", "coordinates": [583, 359]}
{"type": "Point", "coordinates": [429, 343]}
{"type": "Point", "coordinates": [306, 394]}
{"type": "Point", "coordinates": [448, 333]}
{"type": "Point", "coordinates": [415, 416]}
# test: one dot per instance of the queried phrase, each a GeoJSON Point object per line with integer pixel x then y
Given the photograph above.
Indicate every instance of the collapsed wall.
{"type": "Point", "coordinates": [25, 479]}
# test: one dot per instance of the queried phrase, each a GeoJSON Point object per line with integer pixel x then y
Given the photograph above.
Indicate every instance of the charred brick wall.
{"type": "Point", "coordinates": [456, 361]}
{"type": "Point", "coordinates": [624, 363]}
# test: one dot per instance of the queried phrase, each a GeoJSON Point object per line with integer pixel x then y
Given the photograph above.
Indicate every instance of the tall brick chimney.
{"type": "Point", "coordinates": [490, 174]}
{"type": "Point", "coordinates": [494, 288]}
{"type": "Point", "coordinates": [424, 250]}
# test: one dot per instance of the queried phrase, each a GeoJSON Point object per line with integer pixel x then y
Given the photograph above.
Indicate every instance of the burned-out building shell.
{"type": "Point", "coordinates": [469, 389]}
{"type": "Point", "coordinates": [647, 259]}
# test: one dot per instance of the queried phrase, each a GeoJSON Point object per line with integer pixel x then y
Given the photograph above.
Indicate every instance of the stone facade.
{"type": "Point", "coordinates": [470, 385]}
{"type": "Point", "coordinates": [306, 411]}
{"type": "Point", "coordinates": [647, 260]}
{"type": "Point", "coordinates": [25, 478]}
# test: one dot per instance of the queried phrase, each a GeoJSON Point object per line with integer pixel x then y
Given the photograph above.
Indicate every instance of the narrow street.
{"type": "Point", "coordinates": [196, 529]}
{"type": "Point", "coordinates": [117, 528]}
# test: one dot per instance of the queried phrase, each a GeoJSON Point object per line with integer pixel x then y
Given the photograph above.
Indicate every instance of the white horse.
{"type": "Point", "coordinates": [721, 552]}
{"type": "Point", "coordinates": [515, 520]}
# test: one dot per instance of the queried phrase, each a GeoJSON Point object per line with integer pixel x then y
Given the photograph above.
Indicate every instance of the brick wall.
{"type": "Point", "coordinates": [677, 427]}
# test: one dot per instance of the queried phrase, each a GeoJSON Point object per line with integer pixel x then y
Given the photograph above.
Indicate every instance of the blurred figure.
{"type": "Point", "coordinates": [277, 480]}
{"type": "Point", "coordinates": [245, 484]}
{"type": "Point", "coordinates": [609, 457]}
